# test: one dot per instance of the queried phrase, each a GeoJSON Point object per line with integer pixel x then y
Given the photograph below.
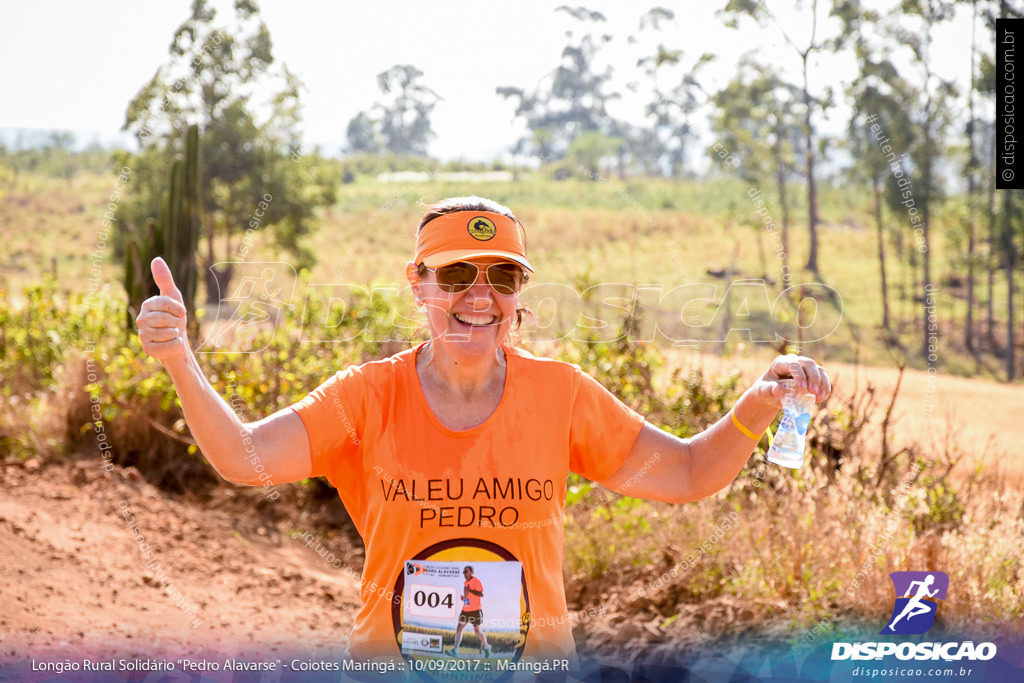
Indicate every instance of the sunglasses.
{"type": "Point", "coordinates": [504, 278]}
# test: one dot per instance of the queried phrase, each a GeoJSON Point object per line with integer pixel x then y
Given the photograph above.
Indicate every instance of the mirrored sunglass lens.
{"type": "Point", "coordinates": [456, 277]}
{"type": "Point", "coordinates": [505, 279]}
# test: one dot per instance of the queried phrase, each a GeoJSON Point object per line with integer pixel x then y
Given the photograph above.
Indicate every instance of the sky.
{"type": "Point", "coordinates": [74, 66]}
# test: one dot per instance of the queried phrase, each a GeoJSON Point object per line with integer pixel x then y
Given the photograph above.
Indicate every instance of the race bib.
{"type": "Point", "coordinates": [459, 600]}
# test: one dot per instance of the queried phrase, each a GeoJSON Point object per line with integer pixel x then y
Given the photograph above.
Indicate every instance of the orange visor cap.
{"type": "Point", "coordinates": [463, 235]}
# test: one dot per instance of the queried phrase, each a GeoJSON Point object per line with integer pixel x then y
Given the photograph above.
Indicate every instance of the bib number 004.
{"type": "Point", "coordinates": [433, 601]}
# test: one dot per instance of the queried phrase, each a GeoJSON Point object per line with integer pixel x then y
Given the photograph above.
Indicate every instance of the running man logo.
{"type": "Point", "coordinates": [917, 596]}
{"type": "Point", "coordinates": [481, 228]}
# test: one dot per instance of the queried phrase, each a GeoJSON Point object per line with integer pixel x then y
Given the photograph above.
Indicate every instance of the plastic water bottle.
{"type": "Point", "coordinates": [791, 438]}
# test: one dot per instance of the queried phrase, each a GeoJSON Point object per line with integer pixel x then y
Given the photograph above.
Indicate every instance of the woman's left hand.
{"type": "Point", "coordinates": [810, 379]}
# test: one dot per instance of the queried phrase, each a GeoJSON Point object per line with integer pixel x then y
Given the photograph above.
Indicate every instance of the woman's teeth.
{"type": "Point", "coordinates": [474, 320]}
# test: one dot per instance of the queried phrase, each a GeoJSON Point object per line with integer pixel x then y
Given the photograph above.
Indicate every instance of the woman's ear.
{"type": "Point", "coordinates": [413, 276]}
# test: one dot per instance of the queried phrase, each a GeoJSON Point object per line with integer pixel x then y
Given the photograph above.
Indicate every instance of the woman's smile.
{"type": "Point", "coordinates": [475, 319]}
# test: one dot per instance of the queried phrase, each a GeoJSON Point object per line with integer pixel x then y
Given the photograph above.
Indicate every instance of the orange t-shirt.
{"type": "Point", "coordinates": [429, 500]}
{"type": "Point", "coordinates": [472, 603]}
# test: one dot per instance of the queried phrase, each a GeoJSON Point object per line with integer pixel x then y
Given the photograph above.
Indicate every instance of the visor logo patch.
{"type": "Point", "coordinates": [482, 228]}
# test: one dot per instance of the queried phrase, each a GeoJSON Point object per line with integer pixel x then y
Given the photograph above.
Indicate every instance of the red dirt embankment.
{"type": "Point", "coordinates": [74, 578]}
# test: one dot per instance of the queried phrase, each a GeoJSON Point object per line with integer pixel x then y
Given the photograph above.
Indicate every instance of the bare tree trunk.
{"type": "Point", "coordinates": [990, 332]}
{"type": "Point", "coordinates": [990, 338]}
{"type": "Point", "coordinates": [881, 255]}
{"type": "Point", "coordinates": [1011, 345]}
{"type": "Point", "coordinates": [972, 188]}
{"type": "Point", "coordinates": [928, 176]}
{"type": "Point", "coordinates": [780, 181]}
{"type": "Point", "coordinates": [927, 276]}
{"type": "Point", "coordinates": [969, 320]}
{"type": "Point", "coordinates": [812, 190]}
{"type": "Point", "coordinates": [761, 254]}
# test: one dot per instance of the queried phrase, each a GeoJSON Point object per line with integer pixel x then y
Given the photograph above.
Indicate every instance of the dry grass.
{"type": "Point", "coordinates": [780, 551]}
{"type": "Point", "coordinates": [975, 417]}
{"type": "Point", "coordinates": [49, 226]}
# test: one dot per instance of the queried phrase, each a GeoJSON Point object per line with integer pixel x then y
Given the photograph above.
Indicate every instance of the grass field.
{"type": "Point", "coordinates": [651, 233]}
{"type": "Point", "coordinates": [648, 233]}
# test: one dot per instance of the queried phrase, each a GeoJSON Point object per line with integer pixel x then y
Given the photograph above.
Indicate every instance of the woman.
{"type": "Point", "coordinates": [456, 452]}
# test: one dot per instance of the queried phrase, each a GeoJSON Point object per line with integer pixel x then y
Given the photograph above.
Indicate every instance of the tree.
{"type": "Point", "coordinates": [589, 149]}
{"type": "Point", "coordinates": [52, 153]}
{"type": "Point", "coordinates": [1006, 221]}
{"type": "Point", "coordinates": [661, 148]}
{"type": "Point", "coordinates": [1012, 217]}
{"type": "Point", "coordinates": [986, 86]}
{"type": "Point", "coordinates": [811, 104]}
{"type": "Point", "coordinates": [570, 100]}
{"type": "Point", "coordinates": [755, 122]}
{"type": "Point", "coordinates": [399, 123]}
{"type": "Point", "coordinates": [879, 123]}
{"type": "Point", "coordinates": [211, 80]}
{"type": "Point", "coordinates": [361, 135]}
{"type": "Point", "coordinates": [972, 167]}
{"type": "Point", "coordinates": [930, 119]}
{"type": "Point", "coordinates": [60, 156]}
{"type": "Point", "coordinates": [405, 121]}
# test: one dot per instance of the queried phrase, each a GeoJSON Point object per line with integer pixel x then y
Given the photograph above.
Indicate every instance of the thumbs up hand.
{"type": "Point", "coordinates": [162, 320]}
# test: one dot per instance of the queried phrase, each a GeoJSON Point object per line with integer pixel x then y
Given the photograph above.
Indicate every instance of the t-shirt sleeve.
{"type": "Point", "coordinates": [602, 429]}
{"type": "Point", "coordinates": [333, 414]}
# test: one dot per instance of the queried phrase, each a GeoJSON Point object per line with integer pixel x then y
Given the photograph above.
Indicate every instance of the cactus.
{"type": "Point", "coordinates": [138, 282]}
{"type": "Point", "coordinates": [175, 237]}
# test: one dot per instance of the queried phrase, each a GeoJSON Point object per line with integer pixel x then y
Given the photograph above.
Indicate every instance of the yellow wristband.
{"type": "Point", "coordinates": [746, 432]}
